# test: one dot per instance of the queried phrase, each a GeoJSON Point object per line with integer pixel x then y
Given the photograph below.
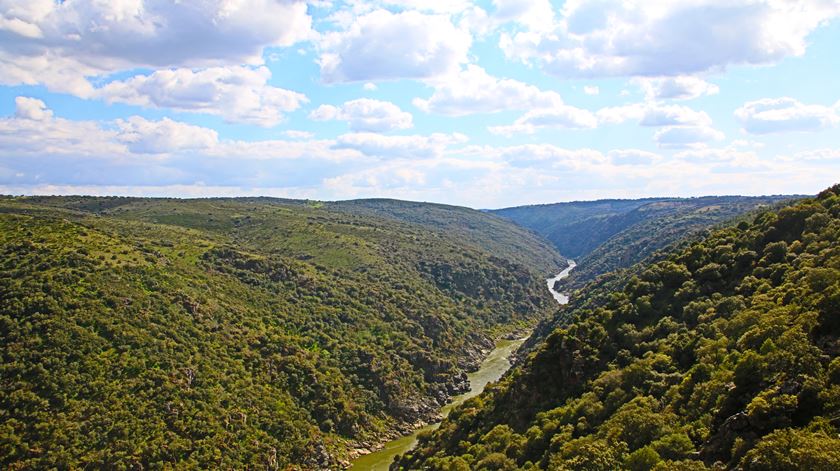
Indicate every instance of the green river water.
{"type": "Point", "coordinates": [492, 368]}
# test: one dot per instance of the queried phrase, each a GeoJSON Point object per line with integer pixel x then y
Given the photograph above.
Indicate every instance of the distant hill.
{"type": "Point", "coordinates": [604, 235]}
{"type": "Point", "coordinates": [721, 354]}
{"type": "Point", "coordinates": [240, 333]}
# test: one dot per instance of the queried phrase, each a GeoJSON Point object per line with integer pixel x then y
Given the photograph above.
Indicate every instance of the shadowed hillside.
{"type": "Point", "coordinates": [606, 235]}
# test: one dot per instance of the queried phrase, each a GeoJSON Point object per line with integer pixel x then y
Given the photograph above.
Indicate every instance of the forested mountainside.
{"type": "Point", "coordinates": [244, 333]}
{"type": "Point", "coordinates": [486, 230]}
{"type": "Point", "coordinates": [722, 354]}
{"type": "Point", "coordinates": [609, 234]}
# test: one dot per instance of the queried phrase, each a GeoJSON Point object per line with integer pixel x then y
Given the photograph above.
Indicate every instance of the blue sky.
{"type": "Point", "coordinates": [486, 104]}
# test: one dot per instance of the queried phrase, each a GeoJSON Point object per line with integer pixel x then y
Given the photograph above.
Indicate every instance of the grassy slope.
{"type": "Point", "coordinates": [240, 332]}
{"type": "Point", "coordinates": [724, 351]}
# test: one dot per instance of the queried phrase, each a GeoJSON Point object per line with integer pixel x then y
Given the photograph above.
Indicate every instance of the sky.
{"type": "Point", "coordinates": [486, 104]}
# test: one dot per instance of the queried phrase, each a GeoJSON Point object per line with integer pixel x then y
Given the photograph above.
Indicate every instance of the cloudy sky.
{"type": "Point", "coordinates": [487, 104]}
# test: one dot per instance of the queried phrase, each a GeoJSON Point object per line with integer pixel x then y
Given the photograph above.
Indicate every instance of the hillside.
{"type": "Point", "coordinates": [234, 333]}
{"type": "Point", "coordinates": [606, 235]}
{"type": "Point", "coordinates": [723, 353]}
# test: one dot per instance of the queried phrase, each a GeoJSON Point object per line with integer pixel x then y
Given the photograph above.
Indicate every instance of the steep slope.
{"type": "Point", "coordinates": [577, 227]}
{"type": "Point", "coordinates": [492, 233]}
{"type": "Point", "coordinates": [233, 333]}
{"type": "Point", "coordinates": [724, 352]}
{"type": "Point", "coordinates": [609, 234]}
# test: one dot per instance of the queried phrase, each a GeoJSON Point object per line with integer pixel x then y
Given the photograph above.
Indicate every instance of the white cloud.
{"type": "Point", "coordinates": [562, 116]}
{"type": "Point", "coordinates": [662, 38]}
{"type": "Point", "coordinates": [677, 88]}
{"type": "Point", "coordinates": [239, 94]}
{"type": "Point", "coordinates": [633, 157]}
{"type": "Point", "coordinates": [591, 89]}
{"type": "Point", "coordinates": [159, 137]}
{"type": "Point", "coordinates": [34, 131]}
{"type": "Point", "coordinates": [548, 156]}
{"type": "Point", "coordinates": [382, 45]}
{"type": "Point", "coordinates": [473, 90]}
{"type": "Point", "coordinates": [536, 15]}
{"type": "Point", "coordinates": [295, 134]}
{"type": "Point", "coordinates": [32, 109]}
{"type": "Point", "coordinates": [723, 160]}
{"type": "Point", "coordinates": [43, 153]}
{"type": "Point", "coordinates": [476, 20]}
{"type": "Point", "coordinates": [815, 155]}
{"type": "Point", "coordinates": [652, 114]}
{"type": "Point", "coordinates": [365, 114]}
{"type": "Point", "coordinates": [388, 147]}
{"type": "Point", "coordinates": [370, 86]}
{"type": "Point", "coordinates": [686, 136]}
{"type": "Point", "coordinates": [434, 6]}
{"type": "Point", "coordinates": [771, 115]}
{"type": "Point", "coordinates": [59, 44]}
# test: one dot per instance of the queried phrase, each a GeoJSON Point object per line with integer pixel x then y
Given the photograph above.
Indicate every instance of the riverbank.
{"type": "Point", "coordinates": [492, 368]}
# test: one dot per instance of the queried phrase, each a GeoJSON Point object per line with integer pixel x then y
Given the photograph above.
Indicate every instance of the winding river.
{"type": "Point", "coordinates": [491, 369]}
{"type": "Point", "coordinates": [560, 297]}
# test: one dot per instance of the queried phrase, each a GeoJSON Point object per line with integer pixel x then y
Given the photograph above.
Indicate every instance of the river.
{"type": "Point", "coordinates": [491, 369]}
{"type": "Point", "coordinates": [560, 297]}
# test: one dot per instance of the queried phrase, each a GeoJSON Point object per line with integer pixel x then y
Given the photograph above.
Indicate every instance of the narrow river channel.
{"type": "Point", "coordinates": [491, 369]}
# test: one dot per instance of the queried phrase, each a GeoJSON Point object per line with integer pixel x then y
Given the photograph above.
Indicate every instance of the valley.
{"type": "Point", "coordinates": [492, 368]}
{"type": "Point", "coordinates": [303, 334]}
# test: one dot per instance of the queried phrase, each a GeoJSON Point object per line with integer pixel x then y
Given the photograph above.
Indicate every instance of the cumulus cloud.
{"type": "Point", "coordinates": [536, 15]}
{"type": "Point", "coordinates": [434, 6]}
{"type": "Point", "coordinates": [33, 130]}
{"type": "Point", "coordinates": [548, 156]}
{"type": "Point", "coordinates": [473, 90]}
{"type": "Point", "coordinates": [633, 157]}
{"type": "Point", "coordinates": [158, 137]}
{"type": "Point", "coordinates": [32, 109]}
{"type": "Point", "coordinates": [562, 116]}
{"type": "Point", "coordinates": [238, 94]}
{"type": "Point", "coordinates": [773, 115]}
{"type": "Point", "coordinates": [652, 114]}
{"type": "Point", "coordinates": [687, 136]}
{"type": "Point", "coordinates": [382, 45]}
{"type": "Point", "coordinates": [365, 114]}
{"type": "Point", "coordinates": [295, 134]}
{"type": "Point", "coordinates": [677, 88]}
{"type": "Point", "coordinates": [665, 38]}
{"type": "Point", "coordinates": [389, 147]}
{"type": "Point", "coordinates": [59, 44]}
{"type": "Point", "coordinates": [815, 155]}
{"type": "Point", "coordinates": [724, 160]}
{"type": "Point", "coordinates": [591, 89]}
{"type": "Point", "coordinates": [43, 153]}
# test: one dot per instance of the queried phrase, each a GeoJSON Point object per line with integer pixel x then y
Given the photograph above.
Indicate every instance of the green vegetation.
{"type": "Point", "coordinates": [602, 236]}
{"type": "Point", "coordinates": [723, 353]}
{"type": "Point", "coordinates": [244, 333]}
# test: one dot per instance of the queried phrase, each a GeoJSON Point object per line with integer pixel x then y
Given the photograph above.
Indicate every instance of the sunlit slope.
{"type": "Point", "coordinates": [225, 333]}
{"type": "Point", "coordinates": [725, 351]}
